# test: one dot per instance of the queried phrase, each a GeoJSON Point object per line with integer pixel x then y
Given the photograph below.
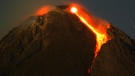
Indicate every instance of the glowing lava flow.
{"type": "Point", "coordinates": [101, 37]}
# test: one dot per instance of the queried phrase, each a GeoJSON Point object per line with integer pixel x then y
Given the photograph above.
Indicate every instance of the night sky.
{"type": "Point", "coordinates": [121, 13]}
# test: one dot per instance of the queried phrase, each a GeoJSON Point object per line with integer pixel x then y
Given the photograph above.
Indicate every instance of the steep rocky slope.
{"type": "Point", "coordinates": [54, 44]}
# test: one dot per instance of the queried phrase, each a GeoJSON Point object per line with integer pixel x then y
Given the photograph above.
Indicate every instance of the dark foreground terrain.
{"type": "Point", "coordinates": [59, 44]}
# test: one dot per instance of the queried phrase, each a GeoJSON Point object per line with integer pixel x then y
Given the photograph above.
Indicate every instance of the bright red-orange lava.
{"type": "Point", "coordinates": [74, 9]}
{"type": "Point", "coordinates": [98, 26]}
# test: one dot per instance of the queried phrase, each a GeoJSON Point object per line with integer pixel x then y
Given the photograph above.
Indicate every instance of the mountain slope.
{"type": "Point", "coordinates": [116, 57]}
{"type": "Point", "coordinates": [55, 44]}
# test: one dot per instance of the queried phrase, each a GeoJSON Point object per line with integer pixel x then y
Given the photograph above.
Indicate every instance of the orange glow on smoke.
{"type": "Point", "coordinates": [98, 26]}
{"type": "Point", "coordinates": [43, 10]}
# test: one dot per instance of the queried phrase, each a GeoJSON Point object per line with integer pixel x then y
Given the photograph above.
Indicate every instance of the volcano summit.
{"type": "Point", "coordinates": [62, 43]}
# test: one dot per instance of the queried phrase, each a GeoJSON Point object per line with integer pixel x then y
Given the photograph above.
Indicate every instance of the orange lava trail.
{"type": "Point", "coordinates": [101, 37]}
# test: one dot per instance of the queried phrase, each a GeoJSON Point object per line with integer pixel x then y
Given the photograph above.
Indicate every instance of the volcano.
{"type": "Point", "coordinates": [59, 43]}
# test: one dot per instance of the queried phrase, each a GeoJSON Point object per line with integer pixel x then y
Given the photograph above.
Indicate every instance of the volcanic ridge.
{"type": "Point", "coordinates": [65, 42]}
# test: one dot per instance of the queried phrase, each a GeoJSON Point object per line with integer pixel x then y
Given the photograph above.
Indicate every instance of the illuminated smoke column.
{"type": "Point", "coordinates": [43, 10]}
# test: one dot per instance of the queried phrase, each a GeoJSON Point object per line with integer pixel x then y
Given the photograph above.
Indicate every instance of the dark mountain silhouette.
{"type": "Point", "coordinates": [59, 44]}
{"type": "Point", "coordinates": [55, 44]}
